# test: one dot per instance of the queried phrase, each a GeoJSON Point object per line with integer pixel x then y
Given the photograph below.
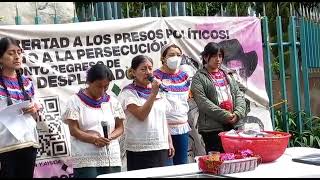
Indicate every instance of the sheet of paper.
{"type": "Point", "coordinates": [13, 119]}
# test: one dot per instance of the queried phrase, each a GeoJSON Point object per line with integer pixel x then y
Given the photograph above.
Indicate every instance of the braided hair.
{"type": "Point", "coordinates": [5, 42]}
{"type": "Point", "coordinates": [9, 100]}
{"type": "Point", "coordinates": [20, 82]}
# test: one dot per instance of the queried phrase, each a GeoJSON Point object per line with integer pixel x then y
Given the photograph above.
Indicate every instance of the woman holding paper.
{"type": "Point", "coordinates": [95, 122]}
{"type": "Point", "coordinates": [18, 144]}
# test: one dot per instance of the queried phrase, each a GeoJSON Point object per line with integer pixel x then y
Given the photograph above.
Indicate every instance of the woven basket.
{"type": "Point", "coordinates": [227, 167]}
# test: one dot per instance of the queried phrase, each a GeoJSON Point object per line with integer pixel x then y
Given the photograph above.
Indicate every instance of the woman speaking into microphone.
{"type": "Point", "coordinates": [147, 141]}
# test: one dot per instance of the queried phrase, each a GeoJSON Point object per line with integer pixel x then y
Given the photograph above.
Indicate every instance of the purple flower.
{"type": "Point", "coordinates": [227, 156]}
{"type": "Point", "coordinates": [246, 153]}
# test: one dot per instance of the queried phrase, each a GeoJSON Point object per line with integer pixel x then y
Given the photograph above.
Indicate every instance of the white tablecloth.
{"type": "Point", "coordinates": [283, 167]}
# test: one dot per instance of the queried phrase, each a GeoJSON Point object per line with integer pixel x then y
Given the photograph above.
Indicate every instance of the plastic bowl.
{"type": "Point", "coordinates": [268, 148]}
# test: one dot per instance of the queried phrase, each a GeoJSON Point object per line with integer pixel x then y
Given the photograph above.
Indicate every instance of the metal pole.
{"type": "Point", "coordinates": [149, 12]}
{"type": "Point", "coordinates": [55, 19]}
{"type": "Point", "coordinates": [176, 10]}
{"type": "Point", "coordinates": [154, 12]}
{"type": "Point", "coordinates": [17, 18]}
{"type": "Point", "coordinates": [83, 14]}
{"type": "Point", "coordinates": [236, 9]}
{"type": "Point", "coordinates": [115, 10]}
{"type": "Point", "coordinates": [300, 10]}
{"type": "Point", "coordinates": [305, 70]}
{"type": "Point", "coordinates": [102, 11]}
{"type": "Point", "coordinates": [294, 72]}
{"type": "Point", "coordinates": [120, 14]}
{"type": "Point", "coordinates": [267, 64]}
{"type": "Point", "coordinates": [169, 13]}
{"type": "Point", "coordinates": [160, 9]}
{"type": "Point", "coordinates": [96, 11]}
{"type": "Point", "coordinates": [75, 17]}
{"type": "Point", "coordinates": [37, 19]}
{"type": "Point", "coordinates": [207, 10]}
{"type": "Point", "coordinates": [93, 17]}
{"type": "Point", "coordinates": [109, 11]}
{"type": "Point", "coordinates": [183, 7]}
{"type": "Point", "coordinates": [284, 107]}
{"type": "Point", "coordinates": [128, 11]}
{"type": "Point", "coordinates": [316, 46]}
{"type": "Point", "coordinates": [312, 35]}
{"type": "Point", "coordinates": [221, 9]}
{"type": "Point", "coordinates": [144, 10]}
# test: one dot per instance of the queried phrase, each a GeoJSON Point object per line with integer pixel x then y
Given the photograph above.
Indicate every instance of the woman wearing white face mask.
{"type": "Point", "coordinates": [177, 84]}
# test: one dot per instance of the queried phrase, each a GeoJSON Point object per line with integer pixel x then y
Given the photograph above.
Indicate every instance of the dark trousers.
{"type": "Point", "coordinates": [18, 163]}
{"type": "Point", "coordinates": [180, 144]}
{"type": "Point", "coordinates": [93, 172]}
{"type": "Point", "coordinates": [146, 159]}
{"type": "Point", "coordinates": [212, 141]}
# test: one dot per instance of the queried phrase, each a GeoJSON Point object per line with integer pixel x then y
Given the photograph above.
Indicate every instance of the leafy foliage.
{"type": "Point", "coordinates": [135, 8]}
{"type": "Point", "coordinates": [310, 135]}
{"type": "Point", "coordinates": [214, 8]}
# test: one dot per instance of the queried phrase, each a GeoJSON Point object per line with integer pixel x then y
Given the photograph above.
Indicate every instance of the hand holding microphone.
{"type": "Point", "coordinates": [104, 125]}
{"type": "Point", "coordinates": [161, 86]}
{"type": "Point", "coordinates": [102, 141]}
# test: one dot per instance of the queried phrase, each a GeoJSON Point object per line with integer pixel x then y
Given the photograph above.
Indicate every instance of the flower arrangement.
{"type": "Point", "coordinates": [225, 163]}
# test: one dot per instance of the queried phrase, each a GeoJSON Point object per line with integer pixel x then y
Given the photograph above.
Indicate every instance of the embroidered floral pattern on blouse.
{"type": "Point", "coordinates": [92, 102]}
{"type": "Point", "coordinates": [141, 91]}
{"type": "Point", "coordinates": [174, 82]}
{"type": "Point", "coordinates": [71, 114]}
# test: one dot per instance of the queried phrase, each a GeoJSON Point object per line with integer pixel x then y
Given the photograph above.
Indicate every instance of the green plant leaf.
{"type": "Point", "coordinates": [300, 144]}
{"type": "Point", "coordinates": [305, 141]}
{"type": "Point", "coordinates": [311, 138]}
{"type": "Point", "coordinates": [318, 141]}
{"type": "Point", "coordinates": [306, 132]}
{"type": "Point", "coordinates": [307, 120]}
{"type": "Point", "coordinates": [291, 122]}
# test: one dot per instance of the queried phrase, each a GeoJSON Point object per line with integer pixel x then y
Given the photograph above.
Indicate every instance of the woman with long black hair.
{"type": "Point", "coordinates": [17, 153]}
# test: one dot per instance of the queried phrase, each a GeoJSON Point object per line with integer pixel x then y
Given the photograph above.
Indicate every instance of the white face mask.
{"type": "Point", "coordinates": [174, 62]}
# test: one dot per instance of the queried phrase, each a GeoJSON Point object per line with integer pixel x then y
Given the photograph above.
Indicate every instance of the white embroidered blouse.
{"type": "Point", "coordinates": [90, 118]}
{"type": "Point", "coordinates": [150, 134]}
{"type": "Point", "coordinates": [25, 134]}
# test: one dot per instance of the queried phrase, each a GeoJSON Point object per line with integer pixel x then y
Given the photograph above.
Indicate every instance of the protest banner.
{"type": "Point", "coordinates": [57, 56]}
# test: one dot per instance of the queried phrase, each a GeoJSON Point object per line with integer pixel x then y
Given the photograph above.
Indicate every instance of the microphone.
{"type": "Point", "coordinates": [161, 87]}
{"type": "Point", "coordinates": [104, 125]}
